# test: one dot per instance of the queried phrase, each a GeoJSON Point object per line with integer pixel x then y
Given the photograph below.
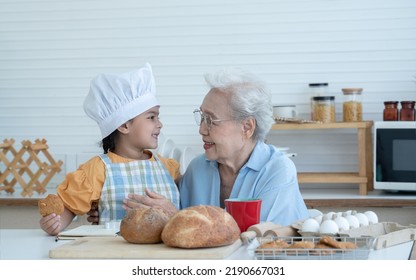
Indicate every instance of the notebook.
{"type": "Point", "coordinates": [88, 230]}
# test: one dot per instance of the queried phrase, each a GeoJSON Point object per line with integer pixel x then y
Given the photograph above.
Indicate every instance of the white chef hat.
{"type": "Point", "coordinates": [115, 99]}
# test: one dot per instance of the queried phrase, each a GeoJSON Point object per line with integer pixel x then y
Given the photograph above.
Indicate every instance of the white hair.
{"type": "Point", "coordinates": [248, 96]}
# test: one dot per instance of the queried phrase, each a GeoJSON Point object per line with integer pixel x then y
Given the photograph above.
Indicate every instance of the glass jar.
{"type": "Point", "coordinates": [317, 89]}
{"type": "Point", "coordinates": [390, 113]}
{"type": "Point", "coordinates": [352, 109]}
{"type": "Point", "coordinates": [407, 112]}
{"type": "Point", "coordinates": [323, 109]}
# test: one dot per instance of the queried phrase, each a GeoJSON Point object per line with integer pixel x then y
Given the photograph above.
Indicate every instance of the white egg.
{"type": "Point", "coordinates": [314, 212]}
{"type": "Point", "coordinates": [328, 227]}
{"type": "Point", "coordinates": [346, 213]}
{"type": "Point", "coordinates": [342, 223]}
{"type": "Point", "coordinates": [310, 225]}
{"type": "Point", "coordinates": [338, 214]}
{"type": "Point", "coordinates": [353, 221]}
{"type": "Point", "coordinates": [372, 217]}
{"type": "Point", "coordinates": [319, 218]}
{"type": "Point", "coordinates": [362, 219]}
{"type": "Point", "coordinates": [329, 216]}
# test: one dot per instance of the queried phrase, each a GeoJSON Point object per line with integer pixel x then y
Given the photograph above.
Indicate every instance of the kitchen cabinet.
{"type": "Point", "coordinates": [364, 175]}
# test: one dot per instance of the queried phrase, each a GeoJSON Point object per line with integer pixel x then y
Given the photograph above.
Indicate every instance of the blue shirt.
{"type": "Point", "coordinates": [268, 175]}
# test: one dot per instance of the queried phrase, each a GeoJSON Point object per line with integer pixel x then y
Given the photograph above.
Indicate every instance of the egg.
{"type": "Point", "coordinates": [346, 213]}
{"type": "Point", "coordinates": [372, 217]}
{"type": "Point", "coordinates": [342, 223]}
{"type": "Point", "coordinates": [363, 220]}
{"type": "Point", "coordinates": [328, 227]}
{"type": "Point", "coordinates": [319, 218]}
{"type": "Point", "coordinates": [310, 225]}
{"type": "Point", "coordinates": [314, 212]}
{"type": "Point", "coordinates": [353, 221]}
{"type": "Point", "coordinates": [329, 216]}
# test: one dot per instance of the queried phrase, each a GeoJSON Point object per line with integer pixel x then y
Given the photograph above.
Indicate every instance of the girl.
{"type": "Point", "coordinates": [127, 112]}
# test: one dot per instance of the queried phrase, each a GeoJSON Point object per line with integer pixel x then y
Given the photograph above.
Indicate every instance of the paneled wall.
{"type": "Point", "coordinates": [51, 49]}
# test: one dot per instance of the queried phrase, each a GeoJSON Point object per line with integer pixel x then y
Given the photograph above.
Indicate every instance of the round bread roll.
{"type": "Point", "coordinates": [144, 225]}
{"type": "Point", "coordinates": [200, 227]}
{"type": "Point", "coordinates": [50, 204]}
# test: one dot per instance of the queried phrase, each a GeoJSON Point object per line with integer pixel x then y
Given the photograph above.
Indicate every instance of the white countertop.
{"type": "Point", "coordinates": [34, 244]}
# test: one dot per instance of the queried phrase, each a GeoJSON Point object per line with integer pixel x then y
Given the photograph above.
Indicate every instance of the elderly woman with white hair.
{"type": "Point", "coordinates": [234, 118]}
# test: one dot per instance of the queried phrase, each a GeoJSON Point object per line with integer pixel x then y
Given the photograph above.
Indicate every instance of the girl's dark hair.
{"type": "Point", "coordinates": [109, 142]}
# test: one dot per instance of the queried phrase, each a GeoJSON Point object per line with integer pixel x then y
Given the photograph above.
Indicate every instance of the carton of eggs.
{"type": "Point", "coordinates": [332, 223]}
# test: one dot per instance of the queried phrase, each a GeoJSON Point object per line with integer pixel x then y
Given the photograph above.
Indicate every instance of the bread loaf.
{"type": "Point", "coordinates": [50, 204]}
{"type": "Point", "coordinates": [200, 227]}
{"type": "Point", "coordinates": [144, 225]}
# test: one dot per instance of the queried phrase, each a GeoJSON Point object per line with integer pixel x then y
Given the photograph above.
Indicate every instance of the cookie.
{"type": "Point", "coordinates": [327, 240]}
{"type": "Point", "coordinates": [276, 244]}
{"type": "Point", "coordinates": [322, 249]}
{"type": "Point", "coordinates": [302, 245]}
{"type": "Point", "coordinates": [50, 204]}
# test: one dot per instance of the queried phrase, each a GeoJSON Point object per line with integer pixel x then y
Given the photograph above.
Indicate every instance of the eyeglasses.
{"type": "Point", "coordinates": [207, 119]}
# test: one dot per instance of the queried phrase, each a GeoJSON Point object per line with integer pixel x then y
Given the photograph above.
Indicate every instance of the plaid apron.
{"type": "Point", "coordinates": [133, 177]}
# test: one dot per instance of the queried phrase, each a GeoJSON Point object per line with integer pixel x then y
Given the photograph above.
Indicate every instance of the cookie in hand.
{"type": "Point", "coordinates": [50, 204]}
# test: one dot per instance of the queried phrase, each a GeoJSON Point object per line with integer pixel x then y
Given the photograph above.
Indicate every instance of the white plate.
{"type": "Point", "coordinates": [186, 157]}
{"type": "Point", "coordinates": [176, 154]}
{"type": "Point", "coordinates": [166, 147]}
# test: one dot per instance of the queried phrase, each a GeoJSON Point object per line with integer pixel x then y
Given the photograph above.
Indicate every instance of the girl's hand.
{"type": "Point", "coordinates": [51, 224]}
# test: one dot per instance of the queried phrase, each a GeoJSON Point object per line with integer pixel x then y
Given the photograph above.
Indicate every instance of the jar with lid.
{"type": "Point", "coordinates": [352, 108]}
{"type": "Point", "coordinates": [323, 109]}
{"type": "Point", "coordinates": [317, 89]}
{"type": "Point", "coordinates": [390, 113]}
{"type": "Point", "coordinates": [407, 112]}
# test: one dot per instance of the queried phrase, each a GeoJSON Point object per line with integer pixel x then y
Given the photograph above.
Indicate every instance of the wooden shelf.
{"type": "Point", "coordinates": [351, 202]}
{"type": "Point", "coordinates": [331, 178]}
{"type": "Point", "coordinates": [334, 125]}
{"type": "Point", "coordinates": [347, 197]}
{"type": "Point", "coordinates": [19, 201]}
{"type": "Point", "coordinates": [364, 176]}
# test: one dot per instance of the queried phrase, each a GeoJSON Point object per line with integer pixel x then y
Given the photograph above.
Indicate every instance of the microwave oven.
{"type": "Point", "coordinates": [395, 155]}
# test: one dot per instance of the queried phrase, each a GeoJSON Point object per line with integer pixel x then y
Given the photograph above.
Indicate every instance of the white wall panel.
{"type": "Point", "coordinates": [50, 50]}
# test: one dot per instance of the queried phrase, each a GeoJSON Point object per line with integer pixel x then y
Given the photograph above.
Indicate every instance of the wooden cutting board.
{"type": "Point", "coordinates": [118, 248]}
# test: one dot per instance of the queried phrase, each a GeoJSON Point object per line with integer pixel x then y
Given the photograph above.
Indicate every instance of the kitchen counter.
{"type": "Point", "coordinates": [34, 244]}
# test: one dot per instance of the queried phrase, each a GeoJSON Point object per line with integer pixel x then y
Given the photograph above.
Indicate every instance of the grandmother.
{"type": "Point", "coordinates": [234, 118]}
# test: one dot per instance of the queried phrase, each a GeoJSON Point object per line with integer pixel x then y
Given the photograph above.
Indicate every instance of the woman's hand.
{"type": "Point", "coordinates": [151, 199]}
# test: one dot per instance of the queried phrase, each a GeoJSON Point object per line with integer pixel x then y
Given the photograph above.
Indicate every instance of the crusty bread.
{"type": "Point", "coordinates": [50, 204]}
{"type": "Point", "coordinates": [144, 225]}
{"type": "Point", "coordinates": [200, 227]}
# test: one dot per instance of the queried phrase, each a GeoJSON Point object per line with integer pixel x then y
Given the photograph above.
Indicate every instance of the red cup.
{"type": "Point", "coordinates": [246, 212]}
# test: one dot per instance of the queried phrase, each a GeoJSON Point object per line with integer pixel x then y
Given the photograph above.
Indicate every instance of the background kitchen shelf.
{"type": "Point", "coordinates": [364, 176]}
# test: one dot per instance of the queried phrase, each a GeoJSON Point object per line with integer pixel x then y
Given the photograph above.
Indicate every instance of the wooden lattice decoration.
{"type": "Point", "coordinates": [26, 167]}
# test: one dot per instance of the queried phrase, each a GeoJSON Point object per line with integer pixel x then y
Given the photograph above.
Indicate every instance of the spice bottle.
{"type": "Point", "coordinates": [407, 112]}
{"type": "Point", "coordinates": [323, 109]}
{"type": "Point", "coordinates": [390, 112]}
{"type": "Point", "coordinates": [352, 107]}
{"type": "Point", "coordinates": [317, 89]}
